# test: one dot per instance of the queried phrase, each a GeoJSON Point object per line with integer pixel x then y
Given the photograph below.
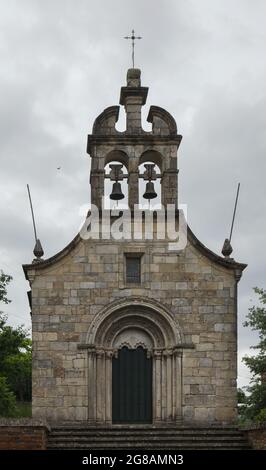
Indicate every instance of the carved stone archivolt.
{"type": "Point", "coordinates": [135, 323]}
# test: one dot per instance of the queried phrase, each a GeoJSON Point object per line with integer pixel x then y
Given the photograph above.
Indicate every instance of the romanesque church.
{"type": "Point", "coordinates": [127, 331]}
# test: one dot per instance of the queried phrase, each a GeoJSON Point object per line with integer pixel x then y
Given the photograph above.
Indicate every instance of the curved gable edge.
{"type": "Point", "coordinates": [227, 263]}
{"type": "Point", "coordinates": [42, 264]}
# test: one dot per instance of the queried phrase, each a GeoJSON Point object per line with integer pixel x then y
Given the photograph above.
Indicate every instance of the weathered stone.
{"type": "Point", "coordinates": [205, 362]}
{"type": "Point", "coordinates": [183, 310]}
{"type": "Point", "coordinates": [223, 327]}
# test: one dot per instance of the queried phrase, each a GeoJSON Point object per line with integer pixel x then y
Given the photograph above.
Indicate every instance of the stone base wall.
{"type": "Point", "coordinates": [257, 436]}
{"type": "Point", "coordinates": [23, 434]}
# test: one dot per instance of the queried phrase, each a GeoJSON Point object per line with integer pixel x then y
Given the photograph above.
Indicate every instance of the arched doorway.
{"type": "Point", "coordinates": [132, 386]}
{"type": "Point", "coordinates": [129, 335]}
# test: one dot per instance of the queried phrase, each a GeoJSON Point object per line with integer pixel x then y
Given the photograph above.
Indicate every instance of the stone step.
{"type": "Point", "coordinates": [154, 446]}
{"type": "Point", "coordinates": [142, 427]}
{"type": "Point", "coordinates": [146, 437]}
{"type": "Point", "coordinates": [145, 430]}
{"type": "Point", "coordinates": [176, 435]}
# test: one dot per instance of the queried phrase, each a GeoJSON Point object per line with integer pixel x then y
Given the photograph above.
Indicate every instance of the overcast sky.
{"type": "Point", "coordinates": [64, 61]}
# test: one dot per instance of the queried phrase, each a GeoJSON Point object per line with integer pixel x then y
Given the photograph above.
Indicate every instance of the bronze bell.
{"type": "Point", "coordinates": [150, 191]}
{"type": "Point", "coordinates": [116, 193]}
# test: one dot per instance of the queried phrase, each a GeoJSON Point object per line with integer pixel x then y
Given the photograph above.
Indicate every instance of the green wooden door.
{"type": "Point", "coordinates": [132, 387]}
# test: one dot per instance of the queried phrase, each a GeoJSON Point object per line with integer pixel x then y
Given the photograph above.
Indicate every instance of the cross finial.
{"type": "Point", "coordinates": [133, 37]}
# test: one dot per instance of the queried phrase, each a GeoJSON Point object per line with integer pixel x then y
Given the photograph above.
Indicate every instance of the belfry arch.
{"type": "Point", "coordinates": [133, 324]}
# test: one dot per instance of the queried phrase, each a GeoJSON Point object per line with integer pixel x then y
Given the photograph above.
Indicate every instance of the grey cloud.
{"type": "Point", "coordinates": [63, 62]}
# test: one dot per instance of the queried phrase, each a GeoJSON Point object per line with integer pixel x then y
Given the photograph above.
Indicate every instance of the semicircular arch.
{"type": "Point", "coordinates": [149, 316]}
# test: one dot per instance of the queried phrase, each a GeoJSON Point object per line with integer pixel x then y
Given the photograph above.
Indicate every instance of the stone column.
{"type": "Point", "coordinates": [91, 386]}
{"type": "Point", "coordinates": [157, 386]}
{"type": "Point", "coordinates": [178, 385]}
{"type": "Point", "coordinates": [108, 387]}
{"type": "Point", "coordinates": [169, 187]}
{"type": "Point", "coordinates": [169, 386]}
{"type": "Point", "coordinates": [163, 388]}
{"type": "Point", "coordinates": [133, 106]}
{"type": "Point", "coordinates": [133, 189]}
{"type": "Point", "coordinates": [97, 187]}
{"type": "Point", "coordinates": [100, 386]}
{"type": "Point", "coordinates": [133, 179]}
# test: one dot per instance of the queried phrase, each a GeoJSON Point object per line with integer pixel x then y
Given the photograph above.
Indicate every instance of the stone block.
{"type": "Point", "coordinates": [190, 362]}
{"type": "Point", "coordinates": [205, 415]}
{"type": "Point", "coordinates": [73, 301]}
{"type": "Point", "coordinates": [207, 389]}
{"type": "Point", "coordinates": [206, 309]}
{"type": "Point", "coordinates": [87, 285]}
{"type": "Point", "coordinates": [223, 327]}
{"type": "Point", "coordinates": [205, 362]}
{"type": "Point", "coordinates": [186, 309]}
{"type": "Point", "coordinates": [181, 285]}
{"type": "Point", "coordinates": [225, 414]}
{"type": "Point", "coordinates": [220, 309]}
{"type": "Point", "coordinates": [205, 347]}
{"type": "Point", "coordinates": [78, 363]}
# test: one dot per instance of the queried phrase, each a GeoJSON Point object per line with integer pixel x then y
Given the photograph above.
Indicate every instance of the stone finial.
{"type": "Point", "coordinates": [133, 78]}
{"type": "Point", "coordinates": [227, 248]}
{"type": "Point", "coordinates": [133, 90]}
{"type": "Point", "coordinates": [38, 251]}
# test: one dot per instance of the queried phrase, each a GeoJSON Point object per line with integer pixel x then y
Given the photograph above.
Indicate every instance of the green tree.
{"type": "Point", "coordinates": [4, 281]}
{"type": "Point", "coordinates": [15, 353]}
{"type": "Point", "coordinates": [7, 400]}
{"type": "Point", "coordinates": [15, 359]}
{"type": "Point", "coordinates": [255, 401]}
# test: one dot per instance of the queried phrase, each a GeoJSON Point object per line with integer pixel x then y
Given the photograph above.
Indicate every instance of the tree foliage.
{"type": "Point", "coordinates": [4, 281]}
{"type": "Point", "coordinates": [7, 399]}
{"type": "Point", "coordinates": [15, 359]}
{"type": "Point", "coordinates": [253, 404]}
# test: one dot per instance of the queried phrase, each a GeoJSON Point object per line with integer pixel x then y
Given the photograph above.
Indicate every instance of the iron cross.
{"type": "Point", "coordinates": [133, 37]}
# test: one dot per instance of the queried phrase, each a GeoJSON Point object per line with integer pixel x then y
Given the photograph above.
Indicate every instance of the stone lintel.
{"type": "Point", "coordinates": [145, 138]}
{"type": "Point", "coordinates": [135, 92]}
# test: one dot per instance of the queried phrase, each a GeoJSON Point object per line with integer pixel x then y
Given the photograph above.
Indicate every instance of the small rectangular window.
{"type": "Point", "coordinates": [133, 269]}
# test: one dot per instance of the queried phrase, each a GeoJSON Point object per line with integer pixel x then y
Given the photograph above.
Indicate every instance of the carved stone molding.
{"type": "Point", "coordinates": [135, 323]}
{"type": "Point", "coordinates": [147, 311]}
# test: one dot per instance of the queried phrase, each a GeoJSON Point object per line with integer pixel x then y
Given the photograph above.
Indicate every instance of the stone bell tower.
{"type": "Point", "coordinates": [127, 331]}
{"type": "Point", "coordinates": [135, 146]}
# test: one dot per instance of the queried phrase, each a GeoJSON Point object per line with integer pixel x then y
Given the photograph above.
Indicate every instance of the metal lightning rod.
{"type": "Point", "coordinates": [32, 213]}
{"type": "Point", "coordinates": [227, 248]}
{"type": "Point", "coordinates": [232, 225]}
{"type": "Point", "coordinates": [38, 250]}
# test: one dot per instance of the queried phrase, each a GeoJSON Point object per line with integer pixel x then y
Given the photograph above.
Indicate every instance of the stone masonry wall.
{"type": "Point", "coordinates": [257, 436]}
{"type": "Point", "coordinates": [68, 294]}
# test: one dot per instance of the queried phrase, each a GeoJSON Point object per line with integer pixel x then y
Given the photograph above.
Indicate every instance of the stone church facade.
{"type": "Point", "coordinates": [160, 347]}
